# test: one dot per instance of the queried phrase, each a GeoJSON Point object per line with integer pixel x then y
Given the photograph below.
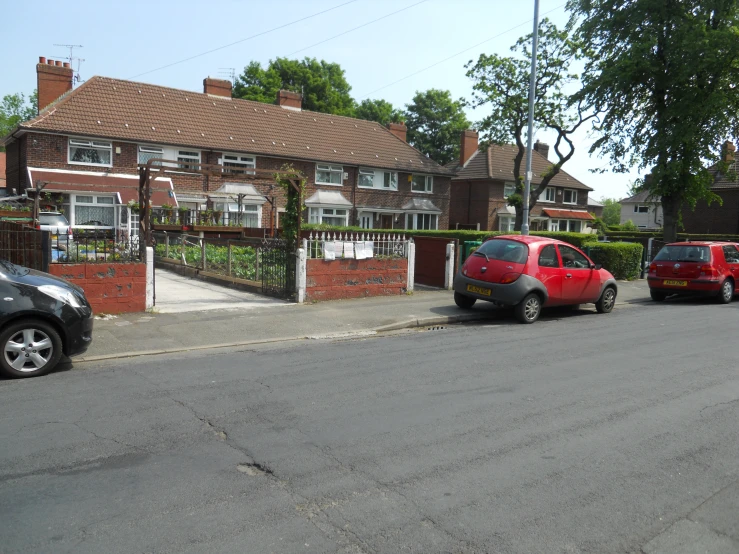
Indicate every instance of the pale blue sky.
{"type": "Point", "coordinates": [126, 38]}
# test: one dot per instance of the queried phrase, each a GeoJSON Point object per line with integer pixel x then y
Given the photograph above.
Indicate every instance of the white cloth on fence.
{"type": "Point", "coordinates": [348, 250]}
{"type": "Point", "coordinates": [329, 250]}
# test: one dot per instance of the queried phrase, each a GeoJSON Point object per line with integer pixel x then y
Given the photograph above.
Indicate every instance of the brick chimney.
{"type": "Point", "coordinates": [468, 146]}
{"type": "Point", "coordinates": [290, 100]}
{"type": "Point", "coordinates": [542, 148]}
{"type": "Point", "coordinates": [727, 152]}
{"type": "Point", "coordinates": [52, 80]}
{"type": "Point", "coordinates": [398, 129]}
{"type": "Point", "coordinates": [217, 87]}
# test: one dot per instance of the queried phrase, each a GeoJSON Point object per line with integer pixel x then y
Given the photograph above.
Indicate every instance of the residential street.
{"type": "Point", "coordinates": [580, 433]}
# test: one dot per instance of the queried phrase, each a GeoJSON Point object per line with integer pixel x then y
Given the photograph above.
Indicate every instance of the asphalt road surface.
{"type": "Point", "coordinates": [581, 433]}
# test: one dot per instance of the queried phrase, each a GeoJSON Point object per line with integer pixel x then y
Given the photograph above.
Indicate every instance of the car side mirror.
{"type": "Point", "coordinates": [596, 266]}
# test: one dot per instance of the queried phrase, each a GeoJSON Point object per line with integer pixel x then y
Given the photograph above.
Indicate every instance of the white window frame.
{"type": "Point", "coordinates": [239, 163]}
{"type": "Point", "coordinates": [187, 155]}
{"type": "Point", "coordinates": [169, 153]}
{"type": "Point", "coordinates": [369, 216]}
{"type": "Point", "coordinates": [546, 193]}
{"type": "Point", "coordinates": [411, 220]}
{"type": "Point", "coordinates": [74, 202]}
{"type": "Point", "coordinates": [556, 225]}
{"type": "Point", "coordinates": [149, 149]}
{"type": "Point", "coordinates": [379, 179]}
{"type": "Point", "coordinates": [573, 199]}
{"type": "Point", "coordinates": [510, 187]}
{"type": "Point", "coordinates": [232, 207]}
{"type": "Point", "coordinates": [506, 223]}
{"type": "Point", "coordinates": [316, 214]}
{"type": "Point", "coordinates": [331, 169]}
{"type": "Point", "coordinates": [638, 209]}
{"type": "Point", "coordinates": [428, 187]}
{"type": "Point", "coordinates": [103, 145]}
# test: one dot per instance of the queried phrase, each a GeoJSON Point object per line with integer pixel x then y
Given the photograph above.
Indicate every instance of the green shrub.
{"type": "Point", "coordinates": [623, 259]}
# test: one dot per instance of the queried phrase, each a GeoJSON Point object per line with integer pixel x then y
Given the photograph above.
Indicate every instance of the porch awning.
{"type": "Point", "coordinates": [420, 205]}
{"type": "Point", "coordinates": [568, 214]}
{"type": "Point", "coordinates": [125, 187]}
{"type": "Point", "coordinates": [249, 193]}
{"type": "Point", "coordinates": [328, 199]}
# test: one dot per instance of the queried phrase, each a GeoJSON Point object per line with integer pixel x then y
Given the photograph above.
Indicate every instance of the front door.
{"type": "Point", "coordinates": [580, 284]}
{"type": "Point", "coordinates": [386, 221]}
{"type": "Point", "coordinates": [365, 220]}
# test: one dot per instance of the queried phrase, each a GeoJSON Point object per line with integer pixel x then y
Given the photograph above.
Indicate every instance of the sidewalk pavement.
{"type": "Point", "coordinates": [158, 333]}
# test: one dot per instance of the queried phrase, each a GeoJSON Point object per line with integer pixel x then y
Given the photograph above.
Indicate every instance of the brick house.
{"type": "Point", "coordinates": [483, 180]}
{"type": "Point", "coordinates": [722, 219]}
{"type": "Point", "coordinates": [86, 145]}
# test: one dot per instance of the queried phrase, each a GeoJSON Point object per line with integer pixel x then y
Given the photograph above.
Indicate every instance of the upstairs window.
{"type": "Point", "coordinates": [548, 195]}
{"type": "Point", "coordinates": [509, 189]}
{"type": "Point", "coordinates": [185, 156]}
{"type": "Point", "coordinates": [90, 152]}
{"type": "Point", "coordinates": [422, 183]}
{"type": "Point", "coordinates": [377, 178]}
{"type": "Point", "coordinates": [641, 209]}
{"type": "Point", "coordinates": [146, 153]}
{"type": "Point", "coordinates": [238, 163]}
{"type": "Point", "coordinates": [329, 174]}
{"type": "Point", "coordinates": [569, 196]}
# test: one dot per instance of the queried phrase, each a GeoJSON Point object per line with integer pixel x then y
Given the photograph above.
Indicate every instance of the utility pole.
{"type": "Point", "coordinates": [530, 139]}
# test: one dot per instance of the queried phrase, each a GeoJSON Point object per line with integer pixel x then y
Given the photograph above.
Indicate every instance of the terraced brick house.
{"type": "Point", "coordinates": [86, 145]}
{"type": "Point", "coordinates": [484, 179]}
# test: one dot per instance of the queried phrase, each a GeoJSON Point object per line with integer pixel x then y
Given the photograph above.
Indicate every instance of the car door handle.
{"type": "Point", "coordinates": [568, 276]}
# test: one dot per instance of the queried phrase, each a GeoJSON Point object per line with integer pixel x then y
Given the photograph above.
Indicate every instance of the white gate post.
{"type": "Point", "coordinates": [149, 277]}
{"type": "Point", "coordinates": [300, 275]}
{"type": "Point", "coordinates": [411, 266]}
{"type": "Point", "coordinates": [449, 273]}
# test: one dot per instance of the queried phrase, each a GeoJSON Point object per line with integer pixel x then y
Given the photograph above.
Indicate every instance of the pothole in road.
{"type": "Point", "coordinates": [254, 469]}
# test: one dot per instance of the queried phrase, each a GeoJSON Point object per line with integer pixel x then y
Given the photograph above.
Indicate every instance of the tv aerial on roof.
{"type": "Point", "coordinates": [72, 58]}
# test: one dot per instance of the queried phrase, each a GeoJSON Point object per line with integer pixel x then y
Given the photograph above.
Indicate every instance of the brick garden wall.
{"type": "Point", "coordinates": [110, 288]}
{"type": "Point", "coordinates": [338, 279]}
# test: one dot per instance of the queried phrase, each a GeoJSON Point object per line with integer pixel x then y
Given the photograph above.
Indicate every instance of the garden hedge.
{"type": "Point", "coordinates": [623, 259]}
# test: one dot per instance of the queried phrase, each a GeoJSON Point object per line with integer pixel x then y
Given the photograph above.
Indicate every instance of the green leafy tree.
{"type": "Point", "coordinates": [665, 73]}
{"type": "Point", "coordinates": [501, 85]}
{"type": "Point", "coordinates": [434, 122]}
{"type": "Point", "coordinates": [380, 111]}
{"type": "Point", "coordinates": [322, 84]}
{"type": "Point", "coordinates": [14, 109]}
{"type": "Point", "coordinates": [611, 211]}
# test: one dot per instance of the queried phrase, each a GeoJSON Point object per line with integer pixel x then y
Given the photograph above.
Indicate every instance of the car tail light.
{"type": "Point", "coordinates": [709, 271]}
{"type": "Point", "coordinates": [652, 267]}
{"type": "Point", "coordinates": [509, 278]}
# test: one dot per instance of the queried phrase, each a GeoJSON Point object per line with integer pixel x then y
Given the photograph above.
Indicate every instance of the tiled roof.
{"type": "Point", "coordinates": [117, 109]}
{"type": "Point", "coordinates": [641, 197]}
{"type": "Point", "coordinates": [728, 180]}
{"type": "Point", "coordinates": [497, 163]}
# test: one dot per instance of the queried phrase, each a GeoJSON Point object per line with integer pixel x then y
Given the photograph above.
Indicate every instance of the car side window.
{"type": "Point", "coordinates": [548, 257]}
{"type": "Point", "coordinates": [731, 254]}
{"type": "Point", "coordinates": [572, 258]}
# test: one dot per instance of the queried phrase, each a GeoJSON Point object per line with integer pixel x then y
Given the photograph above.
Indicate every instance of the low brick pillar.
{"type": "Point", "coordinates": [338, 279]}
{"type": "Point", "coordinates": [109, 287]}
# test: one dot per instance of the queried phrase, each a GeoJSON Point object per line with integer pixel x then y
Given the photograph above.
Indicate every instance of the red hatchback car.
{"type": "Point", "coordinates": [529, 273]}
{"type": "Point", "coordinates": [708, 268]}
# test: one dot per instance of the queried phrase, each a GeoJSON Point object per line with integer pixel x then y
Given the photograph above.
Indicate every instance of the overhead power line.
{"type": "Point", "coordinates": [244, 39]}
{"type": "Point", "coordinates": [456, 54]}
{"type": "Point", "coordinates": [358, 27]}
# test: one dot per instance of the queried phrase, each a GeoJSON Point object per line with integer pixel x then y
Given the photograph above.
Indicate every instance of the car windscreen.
{"type": "Point", "coordinates": [12, 269]}
{"type": "Point", "coordinates": [683, 253]}
{"type": "Point", "coordinates": [56, 220]}
{"type": "Point", "coordinates": [504, 250]}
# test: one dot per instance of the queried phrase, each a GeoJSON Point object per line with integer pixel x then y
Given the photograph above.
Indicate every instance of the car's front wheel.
{"type": "Point", "coordinates": [726, 295]}
{"type": "Point", "coordinates": [607, 300]}
{"type": "Point", "coordinates": [529, 309]}
{"type": "Point", "coordinates": [30, 348]}
{"type": "Point", "coordinates": [463, 301]}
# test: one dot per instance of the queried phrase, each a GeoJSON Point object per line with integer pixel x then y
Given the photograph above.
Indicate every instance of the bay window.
{"type": "Point", "coordinates": [250, 216]}
{"type": "Point", "coordinates": [329, 174]}
{"type": "Point", "coordinates": [507, 223]}
{"type": "Point", "coordinates": [329, 216]}
{"type": "Point", "coordinates": [90, 152]}
{"type": "Point", "coordinates": [422, 221]}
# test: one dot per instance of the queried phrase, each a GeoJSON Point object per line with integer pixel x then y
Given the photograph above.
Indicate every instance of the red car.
{"type": "Point", "coordinates": [529, 273]}
{"type": "Point", "coordinates": [708, 268]}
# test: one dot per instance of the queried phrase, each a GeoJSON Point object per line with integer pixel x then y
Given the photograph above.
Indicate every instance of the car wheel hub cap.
{"type": "Point", "coordinates": [28, 350]}
{"type": "Point", "coordinates": [728, 290]}
{"type": "Point", "coordinates": [608, 300]}
{"type": "Point", "coordinates": [532, 308]}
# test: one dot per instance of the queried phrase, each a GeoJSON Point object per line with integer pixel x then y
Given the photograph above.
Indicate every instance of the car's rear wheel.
{"type": "Point", "coordinates": [463, 301]}
{"type": "Point", "coordinates": [30, 348]}
{"type": "Point", "coordinates": [726, 294]}
{"type": "Point", "coordinates": [607, 301]}
{"type": "Point", "coordinates": [657, 296]}
{"type": "Point", "coordinates": [529, 309]}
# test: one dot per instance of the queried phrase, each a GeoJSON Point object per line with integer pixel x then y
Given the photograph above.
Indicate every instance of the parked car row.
{"type": "Point", "coordinates": [529, 273]}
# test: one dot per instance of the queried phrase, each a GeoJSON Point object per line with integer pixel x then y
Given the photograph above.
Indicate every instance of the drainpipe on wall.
{"type": "Point", "coordinates": [355, 215]}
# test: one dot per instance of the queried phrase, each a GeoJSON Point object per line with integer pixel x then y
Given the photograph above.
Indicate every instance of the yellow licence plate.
{"type": "Point", "coordinates": [479, 290]}
{"type": "Point", "coordinates": [675, 283]}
